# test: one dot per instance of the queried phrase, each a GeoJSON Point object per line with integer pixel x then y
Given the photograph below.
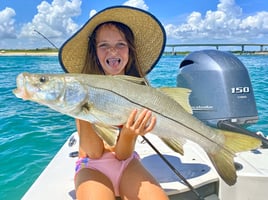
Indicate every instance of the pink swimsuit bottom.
{"type": "Point", "coordinates": [108, 165]}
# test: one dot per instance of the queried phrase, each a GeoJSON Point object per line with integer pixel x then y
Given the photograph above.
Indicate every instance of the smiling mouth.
{"type": "Point", "coordinates": [113, 61]}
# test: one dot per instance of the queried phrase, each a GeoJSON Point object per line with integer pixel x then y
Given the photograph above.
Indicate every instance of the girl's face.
{"type": "Point", "coordinates": [112, 50]}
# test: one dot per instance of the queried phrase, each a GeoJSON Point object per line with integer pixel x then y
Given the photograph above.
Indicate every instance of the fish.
{"type": "Point", "coordinates": [107, 101]}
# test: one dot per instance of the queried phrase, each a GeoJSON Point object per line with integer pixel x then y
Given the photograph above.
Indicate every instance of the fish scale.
{"type": "Point", "coordinates": [107, 101]}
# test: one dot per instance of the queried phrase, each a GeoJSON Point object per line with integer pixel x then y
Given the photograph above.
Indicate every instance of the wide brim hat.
{"type": "Point", "coordinates": [149, 37]}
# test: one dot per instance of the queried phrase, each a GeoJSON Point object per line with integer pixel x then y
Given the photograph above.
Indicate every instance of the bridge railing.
{"type": "Point", "coordinates": [261, 46]}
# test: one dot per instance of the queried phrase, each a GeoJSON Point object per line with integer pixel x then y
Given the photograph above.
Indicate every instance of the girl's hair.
{"type": "Point", "coordinates": [92, 64]}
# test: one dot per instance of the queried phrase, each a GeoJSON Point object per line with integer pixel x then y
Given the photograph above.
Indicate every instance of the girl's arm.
{"type": "Point", "coordinates": [89, 142]}
{"type": "Point", "coordinates": [135, 126]}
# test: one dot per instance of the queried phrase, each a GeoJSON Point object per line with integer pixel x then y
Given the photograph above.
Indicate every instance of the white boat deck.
{"type": "Point", "coordinates": [56, 181]}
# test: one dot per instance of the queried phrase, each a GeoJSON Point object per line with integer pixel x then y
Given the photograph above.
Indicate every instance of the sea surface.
{"type": "Point", "coordinates": [31, 134]}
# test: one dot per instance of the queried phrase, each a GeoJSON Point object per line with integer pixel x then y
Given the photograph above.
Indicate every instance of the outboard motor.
{"type": "Point", "coordinates": [221, 88]}
{"type": "Point", "coordinates": [222, 95]}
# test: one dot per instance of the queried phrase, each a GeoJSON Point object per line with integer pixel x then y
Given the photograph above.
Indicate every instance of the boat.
{"type": "Point", "coordinates": [192, 175]}
{"type": "Point", "coordinates": [57, 180]}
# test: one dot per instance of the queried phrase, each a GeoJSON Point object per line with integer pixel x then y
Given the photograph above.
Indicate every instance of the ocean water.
{"type": "Point", "coordinates": [31, 134]}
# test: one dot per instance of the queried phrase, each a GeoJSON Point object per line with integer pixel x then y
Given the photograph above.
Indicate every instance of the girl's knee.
{"type": "Point", "coordinates": [92, 184]}
{"type": "Point", "coordinates": [138, 183]}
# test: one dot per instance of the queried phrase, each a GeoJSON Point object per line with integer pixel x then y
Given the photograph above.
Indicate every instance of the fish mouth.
{"type": "Point", "coordinates": [21, 91]}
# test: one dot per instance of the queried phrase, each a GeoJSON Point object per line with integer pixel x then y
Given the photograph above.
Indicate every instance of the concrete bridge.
{"type": "Point", "coordinates": [217, 46]}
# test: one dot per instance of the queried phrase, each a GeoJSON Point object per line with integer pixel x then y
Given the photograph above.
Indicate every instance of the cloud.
{"type": "Point", "coordinates": [54, 20]}
{"type": "Point", "coordinates": [226, 23]}
{"type": "Point", "coordinates": [255, 26]}
{"type": "Point", "coordinates": [92, 13]}
{"type": "Point", "coordinates": [136, 3]}
{"type": "Point", "coordinates": [7, 23]}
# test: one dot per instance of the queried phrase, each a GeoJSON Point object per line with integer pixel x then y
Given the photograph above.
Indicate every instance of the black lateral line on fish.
{"type": "Point", "coordinates": [220, 145]}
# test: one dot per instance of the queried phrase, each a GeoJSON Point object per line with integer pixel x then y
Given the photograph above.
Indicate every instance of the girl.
{"type": "Point", "coordinates": [102, 171]}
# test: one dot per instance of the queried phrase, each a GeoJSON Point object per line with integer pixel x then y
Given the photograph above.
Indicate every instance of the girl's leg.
{"type": "Point", "coordinates": [92, 184]}
{"type": "Point", "coordinates": [137, 183]}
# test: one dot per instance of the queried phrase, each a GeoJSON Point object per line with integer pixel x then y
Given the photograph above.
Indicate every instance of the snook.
{"type": "Point", "coordinates": [107, 101]}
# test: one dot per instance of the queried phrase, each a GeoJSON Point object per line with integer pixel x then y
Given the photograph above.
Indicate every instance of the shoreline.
{"type": "Point", "coordinates": [28, 53]}
{"type": "Point", "coordinates": [261, 53]}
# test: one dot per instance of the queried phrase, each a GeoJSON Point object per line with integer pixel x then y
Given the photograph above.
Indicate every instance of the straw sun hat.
{"type": "Point", "coordinates": [149, 36]}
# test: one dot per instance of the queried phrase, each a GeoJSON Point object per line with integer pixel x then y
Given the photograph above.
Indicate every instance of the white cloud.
{"type": "Point", "coordinates": [229, 7]}
{"type": "Point", "coordinates": [54, 20]}
{"type": "Point", "coordinates": [137, 3]}
{"type": "Point", "coordinates": [7, 22]}
{"type": "Point", "coordinates": [226, 24]}
{"type": "Point", "coordinates": [133, 3]}
{"type": "Point", "coordinates": [92, 13]}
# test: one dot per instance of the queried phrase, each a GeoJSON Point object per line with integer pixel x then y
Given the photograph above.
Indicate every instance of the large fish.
{"type": "Point", "coordinates": [107, 101]}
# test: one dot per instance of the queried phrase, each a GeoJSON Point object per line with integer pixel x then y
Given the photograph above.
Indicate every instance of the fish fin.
{"type": "Point", "coordinates": [107, 133]}
{"type": "Point", "coordinates": [224, 165]}
{"type": "Point", "coordinates": [180, 95]}
{"type": "Point", "coordinates": [223, 159]}
{"type": "Point", "coordinates": [175, 145]}
{"type": "Point", "coordinates": [133, 79]}
{"type": "Point", "coordinates": [238, 142]}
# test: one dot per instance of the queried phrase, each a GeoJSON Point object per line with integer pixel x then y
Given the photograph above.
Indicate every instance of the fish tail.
{"type": "Point", "coordinates": [223, 159]}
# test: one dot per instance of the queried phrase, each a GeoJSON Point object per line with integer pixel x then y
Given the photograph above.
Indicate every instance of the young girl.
{"type": "Point", "coordinates": [116, 46]}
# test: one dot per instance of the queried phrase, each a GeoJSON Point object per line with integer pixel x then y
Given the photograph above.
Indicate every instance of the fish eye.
{"type": "Point", "coordinates": [43, 79]}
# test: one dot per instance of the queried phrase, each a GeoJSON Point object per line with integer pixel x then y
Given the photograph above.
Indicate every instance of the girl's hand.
{"type": "Point", "coordinates": [141, 124]}
{"type": "Point", "coordinates": [135, 125]}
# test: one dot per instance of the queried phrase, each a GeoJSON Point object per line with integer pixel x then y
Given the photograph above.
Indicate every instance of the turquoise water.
{"type": "Point", "coordinates": [31, 134]}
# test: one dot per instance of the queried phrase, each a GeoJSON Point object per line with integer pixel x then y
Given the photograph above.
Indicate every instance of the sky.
{"type": "Point", "coordinates": [185, 21]}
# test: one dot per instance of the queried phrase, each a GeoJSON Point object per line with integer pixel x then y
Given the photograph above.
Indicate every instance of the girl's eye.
{"type": "Point", "coordinates": [106, 46]}
{"type": "Point", "coordinates": [103, 46]}
{"type": "Point", "coordinates": [121, 45]}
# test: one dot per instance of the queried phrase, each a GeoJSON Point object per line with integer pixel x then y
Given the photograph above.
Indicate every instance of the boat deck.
{"type": "Point", "coordinates": [56, 181]}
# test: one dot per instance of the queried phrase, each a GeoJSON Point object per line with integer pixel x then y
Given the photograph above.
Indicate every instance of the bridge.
{"type": "Point", "coordinates": [217, 46]}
